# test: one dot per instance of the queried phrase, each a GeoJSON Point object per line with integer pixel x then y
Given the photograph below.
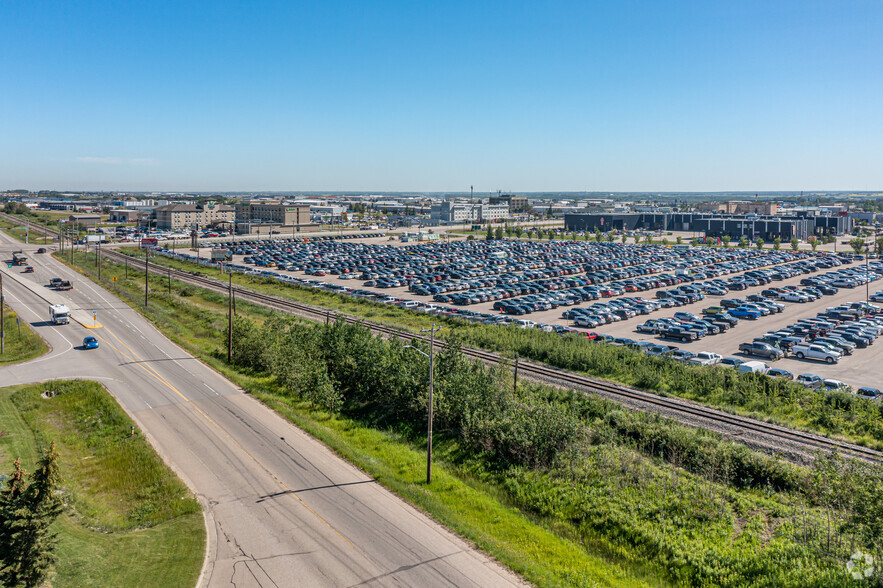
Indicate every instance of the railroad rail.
{"type": "Point", "coordinates": [796, 445]}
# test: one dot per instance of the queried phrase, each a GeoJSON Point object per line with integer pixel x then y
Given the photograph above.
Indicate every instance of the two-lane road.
{"type": "Point", "coordinates": [282, 510]}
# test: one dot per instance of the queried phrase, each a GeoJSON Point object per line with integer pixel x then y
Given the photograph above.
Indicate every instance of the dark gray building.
{"type": "Point", "coordinates": [751, 226]}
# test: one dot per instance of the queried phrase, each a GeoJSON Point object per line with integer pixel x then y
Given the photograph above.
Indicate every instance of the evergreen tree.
{"type": "Point", "coordinates": [27, 545]}
{"type": "Point", "coordinates": [498, 234]}
{"type": "Point", "coordinates": [795, 243]}
{"type": "Point", "coordinates": [490, 233]}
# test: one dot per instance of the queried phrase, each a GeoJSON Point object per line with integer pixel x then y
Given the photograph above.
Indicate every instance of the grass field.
{"type": "Point", "coordinates": [129, 521]}
{"type": "Point", "coordinates": [21, 343]}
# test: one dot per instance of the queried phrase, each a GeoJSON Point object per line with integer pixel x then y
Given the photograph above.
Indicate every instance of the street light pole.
{"type": "Point", "coordinates": [429, 416]}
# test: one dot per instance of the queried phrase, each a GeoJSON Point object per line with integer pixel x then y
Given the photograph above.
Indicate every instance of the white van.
{"type": "Point", "coordinates": [754, 367]}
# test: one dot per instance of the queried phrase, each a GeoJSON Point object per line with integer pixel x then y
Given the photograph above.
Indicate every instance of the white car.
{"type": "Point", "coordinates": [706, 358]}
{"type": "Point", "coordinates": [836, 385]}
{"type": "Point", "coordinates": [877, 296]}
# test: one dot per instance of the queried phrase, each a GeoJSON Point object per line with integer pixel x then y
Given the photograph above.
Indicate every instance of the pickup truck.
{"type": "Point", "coordinates": [705, 358]}
{"type": "Point", "coordinates": [680, 334]}
{"type": "Point", "coordinates": [761, 349]}
{"type": "Point", "coordinates": [744, 312]}
{"type": "Point", "coordinates": [810, 351]}
{"type": "Point", "coordinates": [65, 285]}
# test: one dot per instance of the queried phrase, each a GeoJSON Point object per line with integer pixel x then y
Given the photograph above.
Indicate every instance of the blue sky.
{"type": "Point", "coordinates": [438, 96]}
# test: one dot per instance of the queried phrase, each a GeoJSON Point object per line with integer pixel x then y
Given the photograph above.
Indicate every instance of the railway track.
{"type": "Point", "coordinates": [796, 445]}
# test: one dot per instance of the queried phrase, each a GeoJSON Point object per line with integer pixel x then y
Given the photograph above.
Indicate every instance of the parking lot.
{"type": "Point", "coordinates": [856, 370]}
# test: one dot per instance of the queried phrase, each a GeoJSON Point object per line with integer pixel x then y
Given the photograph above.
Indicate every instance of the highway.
{"type": "Point", "coordinates": [281, 509]}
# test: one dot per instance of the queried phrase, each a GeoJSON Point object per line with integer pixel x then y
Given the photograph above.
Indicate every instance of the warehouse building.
{"type": "Point", "coordinates": [750, 226]}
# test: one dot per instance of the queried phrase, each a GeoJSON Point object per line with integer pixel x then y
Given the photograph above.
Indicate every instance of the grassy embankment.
{"type": "Point", "coordinates": [22, 343]}
{"type": "Point", "coordinates": [128, 521]}
{"type": "Point", "coordinates": [835, 414]}
{"type": "Point", "coordinates": [651, 503]}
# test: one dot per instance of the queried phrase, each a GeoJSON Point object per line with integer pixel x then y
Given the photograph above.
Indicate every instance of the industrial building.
{"type": "Point", "coordinates": [750, 226]}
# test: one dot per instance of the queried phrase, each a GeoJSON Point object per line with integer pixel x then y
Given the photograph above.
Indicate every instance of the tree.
{"type": "Point", "coordinates": [879, 245]}
{"type": "Point", "coordinates": [610, 237]}
{"type": "Point", "coordinates": [624, 238]}
{"type": "Point", "coordinates": [648, 239]}
{"type": "Point", "coordinates": [679, 240]}
{"type": "Point", "coordinates": [813, 242]}
{"type": "Point", "coordinates": [664, 241]}
{"type": "Point", "coordinates": [857, 244]}
{"type": "Point", "coordinates": [498, 234]}
{"type": "Point", "coordinates": [27, 545]}
{"type": "Point", "coordinates": [551, 234]}
{"type": "Point", "coordinates": [694, 242]}
{"type": "Point", "coordinates": [725, 240]}
{"type": "Point", "coordinates": [795, 243]}
{"type": "Point", "coordinates": [518, 232]}
{"type": "Point", "coordinates": [777, 243]}
{"type": "Point", "coordinates": [743, 242]}
{"type": "Point", "coordinates": [490, 233]}
{"type": "Point", "coordinates": [598, 235]}
{"type": "Point", "coordinates": [759, 243]}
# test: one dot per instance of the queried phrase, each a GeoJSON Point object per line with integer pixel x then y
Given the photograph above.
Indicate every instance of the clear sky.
{"type": "Point", "coordinates": [438, 96]}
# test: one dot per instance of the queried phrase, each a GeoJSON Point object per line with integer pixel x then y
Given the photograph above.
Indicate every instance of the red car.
{"type": "Point", "coordinates": [28, 270]}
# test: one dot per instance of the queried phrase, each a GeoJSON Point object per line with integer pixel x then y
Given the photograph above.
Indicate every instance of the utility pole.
{"type": "Point", "coordinates": [429, 416]}
{"type": "Point", "coordinates": [170, 281]}
{"type": "Point", "coordinates": [230, 319]}
{"type": "Point", "coordinates": [146, 255]}
{"type": "Point", "coordinates": [98, 259]}
{"type": "Point", "coordinates": [515, 382]}
{"type": "Point", "coordinates": [127, 267]}
{"type": "Point", "coordinates": [2, 322]}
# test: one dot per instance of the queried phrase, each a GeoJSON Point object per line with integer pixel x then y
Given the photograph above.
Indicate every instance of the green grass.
{"type": "Point", "coordinates": [128, 519]}
{"type": "Point", "coordinates": [18, 230]}
{"type": "Point", "coordinates": [22, 343]}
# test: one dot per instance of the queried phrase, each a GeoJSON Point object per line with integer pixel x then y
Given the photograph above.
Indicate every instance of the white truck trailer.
{"type": "Point", "coordinates": [59, 314]}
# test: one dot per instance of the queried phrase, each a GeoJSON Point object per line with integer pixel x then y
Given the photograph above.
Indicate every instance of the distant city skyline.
{"type": "Point", "coordinates": [434, 97]}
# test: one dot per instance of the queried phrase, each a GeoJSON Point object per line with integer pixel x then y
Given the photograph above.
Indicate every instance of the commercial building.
{"type": "Point", "coordinates": [128, 215]}
{"type": "Point", "coordinates": [765, 208]}
{"type": "Point", "coordinates": [177, 217]}
{"type": "Point", "coordinates": [259, 217]}
{"type": "Point", "coordinates": [85, 220]}
{"type": "Point", "coordinates": [449, 212]}
{"type": "Point", "coordinates": [515, 203]}
{"type": "Point", "coordinates": [275, 213]}
{"type": "Point", "coordinates": [750, 226]}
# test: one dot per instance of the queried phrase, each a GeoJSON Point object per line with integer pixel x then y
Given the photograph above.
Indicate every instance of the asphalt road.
{"type": "Point", "coordinates": [281, 509]}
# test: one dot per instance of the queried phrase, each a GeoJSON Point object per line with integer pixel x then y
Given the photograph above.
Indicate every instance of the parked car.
{"type": "Point", "coordinates": [753, 367]}
{"type": "Point", "coordinates": [706, 358]}
{"type": "Point", "coordinates": [810, 381]}
{"type": "Point", "coordinates": [761, 349]}
{"type": "Point", "coordinates": [780, 373]}
{"type": "Point", "coordinates": [869, 393]}
{"type": "Point", "coordinates": [819, 352]}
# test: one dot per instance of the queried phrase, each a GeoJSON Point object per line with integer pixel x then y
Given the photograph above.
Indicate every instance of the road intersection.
{"type": "Point", "coordinates": [281, 508]}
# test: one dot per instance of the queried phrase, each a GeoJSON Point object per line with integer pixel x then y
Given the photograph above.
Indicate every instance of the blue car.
{"type": "Point", "coordinates": [90, 343]}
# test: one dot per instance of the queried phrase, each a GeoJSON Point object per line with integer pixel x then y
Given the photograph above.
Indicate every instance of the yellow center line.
{"type": "Point", "coordinates": [149, 369]}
